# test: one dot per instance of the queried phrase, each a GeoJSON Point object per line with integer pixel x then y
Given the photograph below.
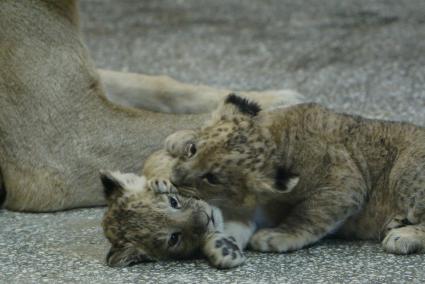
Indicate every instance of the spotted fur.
{"type": "Point", "coordinates": [349, 175]}
{"type": "Point", "coordinates": [148, 221]}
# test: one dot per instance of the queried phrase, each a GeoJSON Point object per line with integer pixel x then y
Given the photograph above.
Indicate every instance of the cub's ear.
{"type": "Point", "coordinates": [125, 256]}
{"type": "Point", "coordinates": [116, 183]}
{"type": "Point", "coordinates": [181, 143]}
{"type": "Point", "coordinates": [242, 105]}
{"type": "Point", "coordinates": [232, 106]}
{"type": "Point", "coordinates": [112, 186]}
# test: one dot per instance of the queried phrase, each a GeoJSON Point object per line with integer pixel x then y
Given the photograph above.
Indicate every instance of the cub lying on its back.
{"type": "Point", "coordinates": [148, 220]}
{"type": "Point", "coordinates": [357, 177]}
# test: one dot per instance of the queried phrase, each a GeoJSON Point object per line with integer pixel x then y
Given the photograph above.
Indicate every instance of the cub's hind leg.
{"type": "Point", "coordinates": [405, 240]}
{"type": "Point", "coordinates": [308, 222]}
{"type": "Point", "coordinates": [339, 196]}
{"type": "Point", "coordinates": [407, 235]}
{"type": "Point", "coordinates": [409, 177]}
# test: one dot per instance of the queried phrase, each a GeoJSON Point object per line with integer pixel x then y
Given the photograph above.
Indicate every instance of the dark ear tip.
{"type": "Point", "coordinates": [105, 177]}
{"type": "Point", "coordinates": [110, 184]}
{"type": "Point", "coordinates": [244, 105]}
{"type": "Point", "coordinates": [232, 97]}
{"type": "Point", "coordinates": [104, 174]}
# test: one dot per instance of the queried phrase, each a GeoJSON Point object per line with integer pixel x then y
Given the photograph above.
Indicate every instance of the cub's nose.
{"type": "Point", "coordinates": [201, 221]}
{"type": "Point", "coordinates": [175, 180]}
{"type": "Point", "coordinates": [178, 177]}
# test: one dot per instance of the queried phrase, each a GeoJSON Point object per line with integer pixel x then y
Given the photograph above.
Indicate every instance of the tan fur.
{"type": "Point", "coordinates": [57, 128]}
{"type": "Point", "coordinates": [354, 175]}
{"type": "Point", "coordinates": [164, 94]}
{"type": "Point", "coordinates": [142, 220]}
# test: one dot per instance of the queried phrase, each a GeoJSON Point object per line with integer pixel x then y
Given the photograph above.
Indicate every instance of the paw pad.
{"type": "Point", "coordinates": [223, 252]}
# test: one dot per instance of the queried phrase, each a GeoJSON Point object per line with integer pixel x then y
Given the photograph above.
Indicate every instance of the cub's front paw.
{"type": "Point", "coordinates": [270, 240]}
{"type": "Point", "coordinates": [159, 185]}
{"type": "Point", "coordinates": [222, 251]}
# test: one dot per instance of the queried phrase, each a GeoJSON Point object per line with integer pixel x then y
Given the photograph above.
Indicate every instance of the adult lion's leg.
{"type": "Point", "coordinates": [164, 94]}
{"type": "Point", "coordinates": [56, 128]}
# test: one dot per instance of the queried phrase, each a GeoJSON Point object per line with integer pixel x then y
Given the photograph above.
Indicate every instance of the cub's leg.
{"type": "Point", "coordinates": [319, 215]}
{"type": "Point", "coordinates": [222, 250]}
{"type": "Point", "coordinates": [225, 249]}
{"type": "Point", "coordinates": [409, 177]}
{"type": "Point", "coordinates": [164, 94]}
{"type": "Point", "coordinates": [405, 240]}
{"type": "Point", "coordinates": [396, 222]}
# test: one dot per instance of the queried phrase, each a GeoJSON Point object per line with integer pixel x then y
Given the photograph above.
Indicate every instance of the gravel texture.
{"type": "Point", "coordinates": [364, 57]}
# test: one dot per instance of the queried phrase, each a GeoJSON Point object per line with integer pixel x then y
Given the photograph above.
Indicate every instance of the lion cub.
{"type": "Point", "coordinates": [315, 171]}
{"type": "Point", "coordinates": [148, 220]}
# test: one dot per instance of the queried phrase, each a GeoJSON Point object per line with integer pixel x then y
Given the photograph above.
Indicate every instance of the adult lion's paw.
{"type": "Point", "coordinates": [159, 185]}
{"type": "Point", "coordinates": [222, 251]}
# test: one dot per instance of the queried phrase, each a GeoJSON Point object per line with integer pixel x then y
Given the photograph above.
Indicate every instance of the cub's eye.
{"type": "Point", "coordinates": [174, 239]}
{"type": "Point", "coordinates": [190, 150]}
{"type": "Point", "coordinates": [211, 179]}
{"type": "Point", "coordinates": [174, 202]}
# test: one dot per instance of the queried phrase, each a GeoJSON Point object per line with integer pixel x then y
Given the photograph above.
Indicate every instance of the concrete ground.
{"type": "Point", "coordinates": [364, 57]}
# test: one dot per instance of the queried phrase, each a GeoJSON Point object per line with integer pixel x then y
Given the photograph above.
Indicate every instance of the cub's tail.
{"type": "Point", "coordinates": [2, 190]}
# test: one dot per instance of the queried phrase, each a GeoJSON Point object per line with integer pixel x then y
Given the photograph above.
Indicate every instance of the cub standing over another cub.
{"type": "Point", "coordinates": [355, 177]}
{"type": "Point", "coordinates": [147, 220]}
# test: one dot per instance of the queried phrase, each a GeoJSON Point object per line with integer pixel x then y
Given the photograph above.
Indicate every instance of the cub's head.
{"type": "Point", "coordinates": [144, 223]}
{"type": "Point", "coordinates": [233, 154]}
